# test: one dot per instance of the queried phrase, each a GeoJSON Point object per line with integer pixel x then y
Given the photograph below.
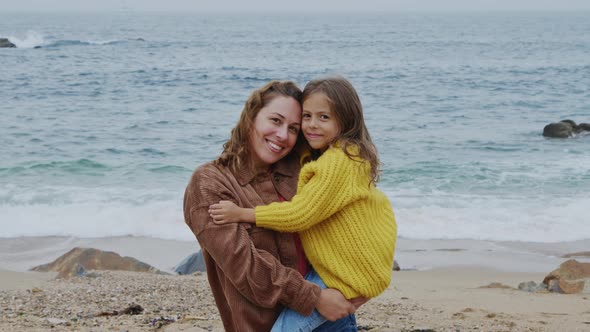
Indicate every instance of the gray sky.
{"type": "Point", "coordinates": [296, 5]}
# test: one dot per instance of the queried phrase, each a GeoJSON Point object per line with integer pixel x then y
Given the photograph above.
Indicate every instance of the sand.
{"type": "Point", "coordinates": [437, 289]}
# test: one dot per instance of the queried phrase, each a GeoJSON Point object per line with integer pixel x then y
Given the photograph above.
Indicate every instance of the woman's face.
{"type": "Point", "coordinates": [275, 131]}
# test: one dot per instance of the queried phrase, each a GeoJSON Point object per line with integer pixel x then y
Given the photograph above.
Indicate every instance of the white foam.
{"type": "Point", "coordinates": [91, 212]}
{"type": "Point", "coordinates": [103, 42]}
{"type": "Point", "coordinates": [451, 216]}
{"type": "Point", "coordinates": [161, 220]}
{"type": "Point", "coordinates": [30, 40]}
{"type": "Point", "coordinates": [109, 211]}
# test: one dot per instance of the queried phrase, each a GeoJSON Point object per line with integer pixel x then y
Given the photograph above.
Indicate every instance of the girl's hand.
{"type": "Point", "coordinates": [225, 212]}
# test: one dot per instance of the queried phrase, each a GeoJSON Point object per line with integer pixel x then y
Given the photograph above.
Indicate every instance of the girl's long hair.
{"type": "Point", "coordinates": [236, 151]}
{"type": "Point", "coordinates": [346, 106]}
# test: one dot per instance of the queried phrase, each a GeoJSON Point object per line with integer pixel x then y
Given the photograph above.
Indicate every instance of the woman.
{"type": "Point", "coordinates": [253, 271]}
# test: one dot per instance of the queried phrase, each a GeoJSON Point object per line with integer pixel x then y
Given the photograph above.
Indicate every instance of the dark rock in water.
{"type": "Point", "coordinates": [69, 264]}
{"type": "Point", "coordinates": [37, 46]}
{"type": "Point", "coordinates": [570, 278]}
{"type": "Point", "coordinates": [565, 129]}
{"type": "Point", "coordinates": [5, 43]}
{"type": "Point", "coordinates": [562, 129]}
{"type": "Point", "coordinates": [191, 264]}
{"type": "Point", "coordinates": [571, 122]}
{"type": "Point", "coordinates": [395, 266]}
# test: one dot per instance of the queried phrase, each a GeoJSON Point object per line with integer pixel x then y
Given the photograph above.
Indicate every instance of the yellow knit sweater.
{"type": "Point", "coordinates": [347, 226]}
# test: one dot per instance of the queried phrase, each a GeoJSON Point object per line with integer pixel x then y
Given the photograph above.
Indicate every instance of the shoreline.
{"type": "Point", "coordinates": [22, 253]}
{"type": "Point", "coordinates": [508, 256]}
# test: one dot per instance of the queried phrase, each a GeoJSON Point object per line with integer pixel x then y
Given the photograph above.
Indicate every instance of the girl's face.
{"type": "Point", "coordinates": [275, 131]}
{"type": "Point", "coordinates": [319, 124]}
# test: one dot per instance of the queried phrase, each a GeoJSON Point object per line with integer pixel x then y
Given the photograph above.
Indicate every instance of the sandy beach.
{"type": "Point", "coordinates": [442, 287]}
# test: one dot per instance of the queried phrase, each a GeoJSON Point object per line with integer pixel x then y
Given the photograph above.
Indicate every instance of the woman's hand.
{"type": "Point", "coordinates": [333, 305]}
{"type": "Point", "coordinates": [226, 212]}
{"type": "Point", "coordinates": [358, 301]}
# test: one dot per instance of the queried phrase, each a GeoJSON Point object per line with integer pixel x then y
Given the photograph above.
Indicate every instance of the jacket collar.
{"type": "Point", "coordinates": [287, 166]}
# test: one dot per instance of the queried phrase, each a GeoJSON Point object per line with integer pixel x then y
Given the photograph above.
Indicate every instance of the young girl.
{"type": "Point", "coordinates": [346, 225]}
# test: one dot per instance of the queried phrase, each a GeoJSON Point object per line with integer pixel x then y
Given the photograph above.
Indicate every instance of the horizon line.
{"type": "Point", "coordinates": [298, 11]}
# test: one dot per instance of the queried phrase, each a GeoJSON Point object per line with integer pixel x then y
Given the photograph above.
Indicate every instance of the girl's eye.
{"type": "Point", "coordinates": [275, 120]}
{"type": "Point", "coordinates": [294, 130]}
{"type": "Point", "coordinates": [306, 116]}
{"type": "Point", "coordinates": [324, 117]}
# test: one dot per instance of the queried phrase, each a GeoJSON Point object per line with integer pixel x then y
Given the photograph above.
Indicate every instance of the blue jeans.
{"type": "Point", "coordinates": [290, 320]}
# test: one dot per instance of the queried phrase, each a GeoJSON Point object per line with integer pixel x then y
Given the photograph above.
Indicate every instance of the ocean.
{"type": "Point", "coordinates": [104, 116]}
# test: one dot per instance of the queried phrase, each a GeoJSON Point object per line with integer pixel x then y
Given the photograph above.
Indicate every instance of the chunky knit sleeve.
{"type": "Point", "coordinates": [325, 187]}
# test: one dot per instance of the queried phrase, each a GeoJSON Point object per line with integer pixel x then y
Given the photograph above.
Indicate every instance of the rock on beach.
{"type": "Point", "coordinates": [191, 264]}
{"type": "Point", "coordinates": [76, 261]}
{"type": "Point", "coordinates": [571, 277]}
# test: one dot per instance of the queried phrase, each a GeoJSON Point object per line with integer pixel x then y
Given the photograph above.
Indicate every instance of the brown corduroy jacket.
{"type": "Point", "coordinates": [252, 271]}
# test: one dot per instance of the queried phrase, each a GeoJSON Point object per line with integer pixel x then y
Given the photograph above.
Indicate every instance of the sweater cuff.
{"type": "Point", "coordinates": [303, 298]}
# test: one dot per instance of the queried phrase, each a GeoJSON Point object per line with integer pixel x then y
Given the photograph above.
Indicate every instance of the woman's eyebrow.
{"type": "Point", "coordinates": [284, 118]}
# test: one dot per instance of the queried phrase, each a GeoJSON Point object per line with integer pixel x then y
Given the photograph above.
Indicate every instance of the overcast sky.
{"type": "Point", "coordinates": [296, 5]}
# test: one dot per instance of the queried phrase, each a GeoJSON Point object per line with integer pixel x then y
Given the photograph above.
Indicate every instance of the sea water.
{"type": "Point", "coordinates": [103, 117]}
